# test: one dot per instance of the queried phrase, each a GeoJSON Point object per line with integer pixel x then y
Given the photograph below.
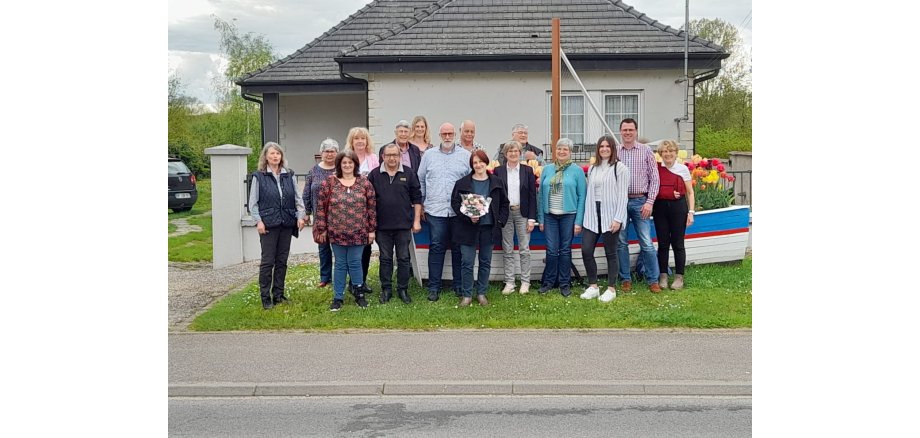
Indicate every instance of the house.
{"type": "Point", "coordinates": [485, 60]}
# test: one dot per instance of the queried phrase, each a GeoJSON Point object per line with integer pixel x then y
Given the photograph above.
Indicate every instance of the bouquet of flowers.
{"type": "Point", "coordinates": [474, 205]}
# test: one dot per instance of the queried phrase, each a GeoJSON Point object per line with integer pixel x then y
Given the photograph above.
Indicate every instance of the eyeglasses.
{"type": "Point", "coordinates": [446, 133]}
{"type": "Point", "coordinates": [330, 150]}
{"type": "Point", "coordinates": [391, 155]}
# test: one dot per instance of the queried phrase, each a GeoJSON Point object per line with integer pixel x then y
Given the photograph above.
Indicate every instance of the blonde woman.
{"type": "Point", "coordinates": [421, 136]}
{"type": "Point", "coordinates": [672, 212]}
{"type": "Point", "coordinates": [359, 141]}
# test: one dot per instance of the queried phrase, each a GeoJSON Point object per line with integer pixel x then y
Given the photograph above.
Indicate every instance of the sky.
{"type": "Point", "coordinates": [291, 24]}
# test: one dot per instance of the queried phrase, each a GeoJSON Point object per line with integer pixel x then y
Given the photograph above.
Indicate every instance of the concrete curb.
{"type": "Point", "coordinates": [544, 387]}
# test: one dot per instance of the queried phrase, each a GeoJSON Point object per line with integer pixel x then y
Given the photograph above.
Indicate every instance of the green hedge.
{"type": "Point", "coordinates": [710, 143]}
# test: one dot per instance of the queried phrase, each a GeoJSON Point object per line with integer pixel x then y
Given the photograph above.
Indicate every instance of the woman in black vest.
{"type": "Point", "coordinates": [278, 210]}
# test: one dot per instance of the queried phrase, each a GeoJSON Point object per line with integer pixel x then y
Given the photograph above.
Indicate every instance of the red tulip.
{"type": "Point", "coordinates": [731, 178]}
{"type": "Point", "coordinates": [716, 162]}
{"type": "Point", "coordinates": [719, 167]}
{"type": "Point", "coordinates": [691, 166]}
{"type": "Point", "coordinates": [704, 163]}
{"type": "Point", "coordinates": [585, 168]}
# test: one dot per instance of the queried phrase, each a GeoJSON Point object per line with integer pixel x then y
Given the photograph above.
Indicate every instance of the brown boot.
{"type": "Point", "coordinates": [663, 281]}
{"type": "Point", "coordinates": [678, 282]}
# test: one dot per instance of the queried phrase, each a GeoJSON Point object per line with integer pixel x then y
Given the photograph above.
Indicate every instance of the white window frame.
{"type": "Point", "coordinates": [638, 115]}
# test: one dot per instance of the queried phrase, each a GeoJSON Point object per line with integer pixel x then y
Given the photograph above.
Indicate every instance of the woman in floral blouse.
{"type": "Point", "coordinates": [346, 217]}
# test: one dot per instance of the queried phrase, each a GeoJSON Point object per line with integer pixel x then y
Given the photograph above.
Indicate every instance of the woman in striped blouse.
{"type": "Point", "coordinates": [605, 213]}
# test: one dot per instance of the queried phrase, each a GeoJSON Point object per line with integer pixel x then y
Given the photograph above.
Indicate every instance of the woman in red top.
{"type": "Point", "coordinates": [346, 217]}
{"type": "Point", "coordinates": [673, 213]}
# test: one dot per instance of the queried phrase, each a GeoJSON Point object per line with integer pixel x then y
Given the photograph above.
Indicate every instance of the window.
{"type": "Point", "coordinates": [618, 107]}
{"type": "Point", "coordinates": [573, 118]}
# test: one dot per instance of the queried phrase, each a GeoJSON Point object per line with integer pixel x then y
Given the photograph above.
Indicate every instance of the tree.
{"type": "Point", "coordinates": [736, 70]}
{"type": "Point", "coordinates": [723, 107]}
{"type": "Point", "coordinates": [245, 53]}
{"type": "Point", "coordinates": [181, 139]}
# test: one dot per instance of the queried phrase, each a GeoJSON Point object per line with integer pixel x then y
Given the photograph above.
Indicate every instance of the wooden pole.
{"type": "Point", "coordinates": [556, 101]}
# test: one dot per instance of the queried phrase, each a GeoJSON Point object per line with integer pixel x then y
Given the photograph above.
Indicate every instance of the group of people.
{"type": "Point", "coordinates": [355, 197]}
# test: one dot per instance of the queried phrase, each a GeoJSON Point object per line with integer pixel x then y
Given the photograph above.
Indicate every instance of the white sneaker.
{"type": "Point", "coordinates": [509, 289]}
{"type": "Point", "coordinates": [608, 296]}
{"type": "Point", "coordinates": [590, 293]}
{"type": "Point", "coordinates": [525, 287]}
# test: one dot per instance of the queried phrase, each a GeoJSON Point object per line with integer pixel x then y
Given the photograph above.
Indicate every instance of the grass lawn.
{"type": "Point", "coordinates": [716, 296]}
{"type": "Point", "coordinates": [196, 246]}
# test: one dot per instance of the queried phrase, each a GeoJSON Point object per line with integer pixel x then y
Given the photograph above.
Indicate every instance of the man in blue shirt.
{"type": "Point", "coordinates": [438, 172]}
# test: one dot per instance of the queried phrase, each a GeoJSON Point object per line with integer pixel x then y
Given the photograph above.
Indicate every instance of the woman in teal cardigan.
{"type": "Point", "coordinates": [560, 211]}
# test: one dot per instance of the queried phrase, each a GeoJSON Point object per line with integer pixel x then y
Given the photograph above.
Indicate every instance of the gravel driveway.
{"type": "Point", "coordinates": [194, 287]}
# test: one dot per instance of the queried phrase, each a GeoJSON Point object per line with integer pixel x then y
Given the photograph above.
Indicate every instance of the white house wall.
{"type": "Point", "coordinates": [307, 120]}
{"type": "Point", "coordinates": [496, 101]}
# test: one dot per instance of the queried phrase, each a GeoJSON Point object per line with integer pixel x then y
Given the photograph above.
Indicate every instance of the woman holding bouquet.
{"type": "Point", "coordinates": [673, 213]}
{"type": "Point", "coordinates": [560, 211]}
{"type": "Point", "coordinates": [481, 203]}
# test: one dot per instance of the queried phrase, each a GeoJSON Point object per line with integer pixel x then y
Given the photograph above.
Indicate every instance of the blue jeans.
{"type": "Point", "coordinates": [468, 253]}
{"type": "Point", "coordinates": [643, 229]}
{"type": "Point", "coordinates": [325, 262]}
{"type": "Point", "coordinates": [347, 262]}
{"type": "Point", "coordinates": [440, 241]}
{"type": "Point", "coordinates": [559, 230]}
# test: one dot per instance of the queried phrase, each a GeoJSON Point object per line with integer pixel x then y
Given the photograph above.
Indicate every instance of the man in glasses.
{"type": "Point", "coordinates": [399, 213]}
{"type": "Point", "coordinates": [520, 133]}
{"type": "Point", "coordinates": [440, 169]}
{"type": "Point", "coordinates": [409, 154]}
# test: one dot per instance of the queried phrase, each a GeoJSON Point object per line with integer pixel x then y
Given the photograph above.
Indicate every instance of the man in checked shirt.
{"type": "Point", "coordinates": [643, 189]}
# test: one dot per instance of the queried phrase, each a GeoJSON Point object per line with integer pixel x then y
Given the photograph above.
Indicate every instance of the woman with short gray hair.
{"type": "Point", "coordinates": [521, 184]}
{"type": "Point", "coordinates": [560, 212]}
{"type": "Point", "coordinates": [328, 150]}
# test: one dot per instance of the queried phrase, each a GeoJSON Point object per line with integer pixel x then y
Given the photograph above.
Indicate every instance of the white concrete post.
{"type": "Point", "coordinates": [228, 196]}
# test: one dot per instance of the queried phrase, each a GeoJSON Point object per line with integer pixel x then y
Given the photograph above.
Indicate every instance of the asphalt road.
{"type": "Point", "coordinates": [538, 416]}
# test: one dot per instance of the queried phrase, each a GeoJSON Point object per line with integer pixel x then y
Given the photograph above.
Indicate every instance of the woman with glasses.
{"type": "Point", "coordinates": [521, 183]}
{"type": "Point", "coordinates": [560, 211]}
{"type": "Point", "coordinates": [328, 150]}
{"type": "Point", "coordinates": [673, 213]}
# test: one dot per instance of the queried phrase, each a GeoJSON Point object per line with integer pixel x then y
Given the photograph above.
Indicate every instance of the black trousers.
{"type": "Point", "coordinates": [276, 246]}
{"type": "Point", "coordinates": [387, 240]}
{"type": "Point", "coordinates": [589, 239]}
{"type": "Point", "coordinates": [365, 262]}
{"type": "Point", "coordinates": [670, 227]}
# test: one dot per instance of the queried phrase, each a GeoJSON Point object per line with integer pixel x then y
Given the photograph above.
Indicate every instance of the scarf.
{"type": "Point", "coordinates": [555, 183]}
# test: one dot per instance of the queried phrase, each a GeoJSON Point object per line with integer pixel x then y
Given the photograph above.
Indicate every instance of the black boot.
{"type": "Point", "coordinates": [404, 296]}
{"type": "Point", "coordinates": [385, 296]}
{"type": "Point", "coordinates": [358, 292]}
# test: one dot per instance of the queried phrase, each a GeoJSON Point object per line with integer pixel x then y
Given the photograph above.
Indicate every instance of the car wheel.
{"type": "Point", "coordinates": [180, 210]}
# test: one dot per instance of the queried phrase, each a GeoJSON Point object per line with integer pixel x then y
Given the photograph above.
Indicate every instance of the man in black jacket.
{"type": "Point", "coordinates": [399, 210]}
{"type": "Point", "coordinates": [520, 133]}
{"type": "Point", "coordinates": [409, 154]}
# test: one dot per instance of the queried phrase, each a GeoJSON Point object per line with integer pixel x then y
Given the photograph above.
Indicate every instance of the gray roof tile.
{"type": "Point", "coordinates": [388, 28]}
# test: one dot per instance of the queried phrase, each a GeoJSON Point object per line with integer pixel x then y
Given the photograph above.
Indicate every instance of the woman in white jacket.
{"type": "Point", "coordinates": [605, 213]}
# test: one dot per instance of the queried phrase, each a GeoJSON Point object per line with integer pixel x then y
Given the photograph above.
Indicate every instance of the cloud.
{"type": "Point", "coordinates": [291, 24]}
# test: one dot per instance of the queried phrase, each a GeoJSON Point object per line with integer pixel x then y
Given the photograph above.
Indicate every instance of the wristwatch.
{"type": "Point", "coordinates": [691, 212]}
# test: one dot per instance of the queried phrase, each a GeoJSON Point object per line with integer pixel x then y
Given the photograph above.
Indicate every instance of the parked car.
{"type": "Point", "coordinates": [183, 190]}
